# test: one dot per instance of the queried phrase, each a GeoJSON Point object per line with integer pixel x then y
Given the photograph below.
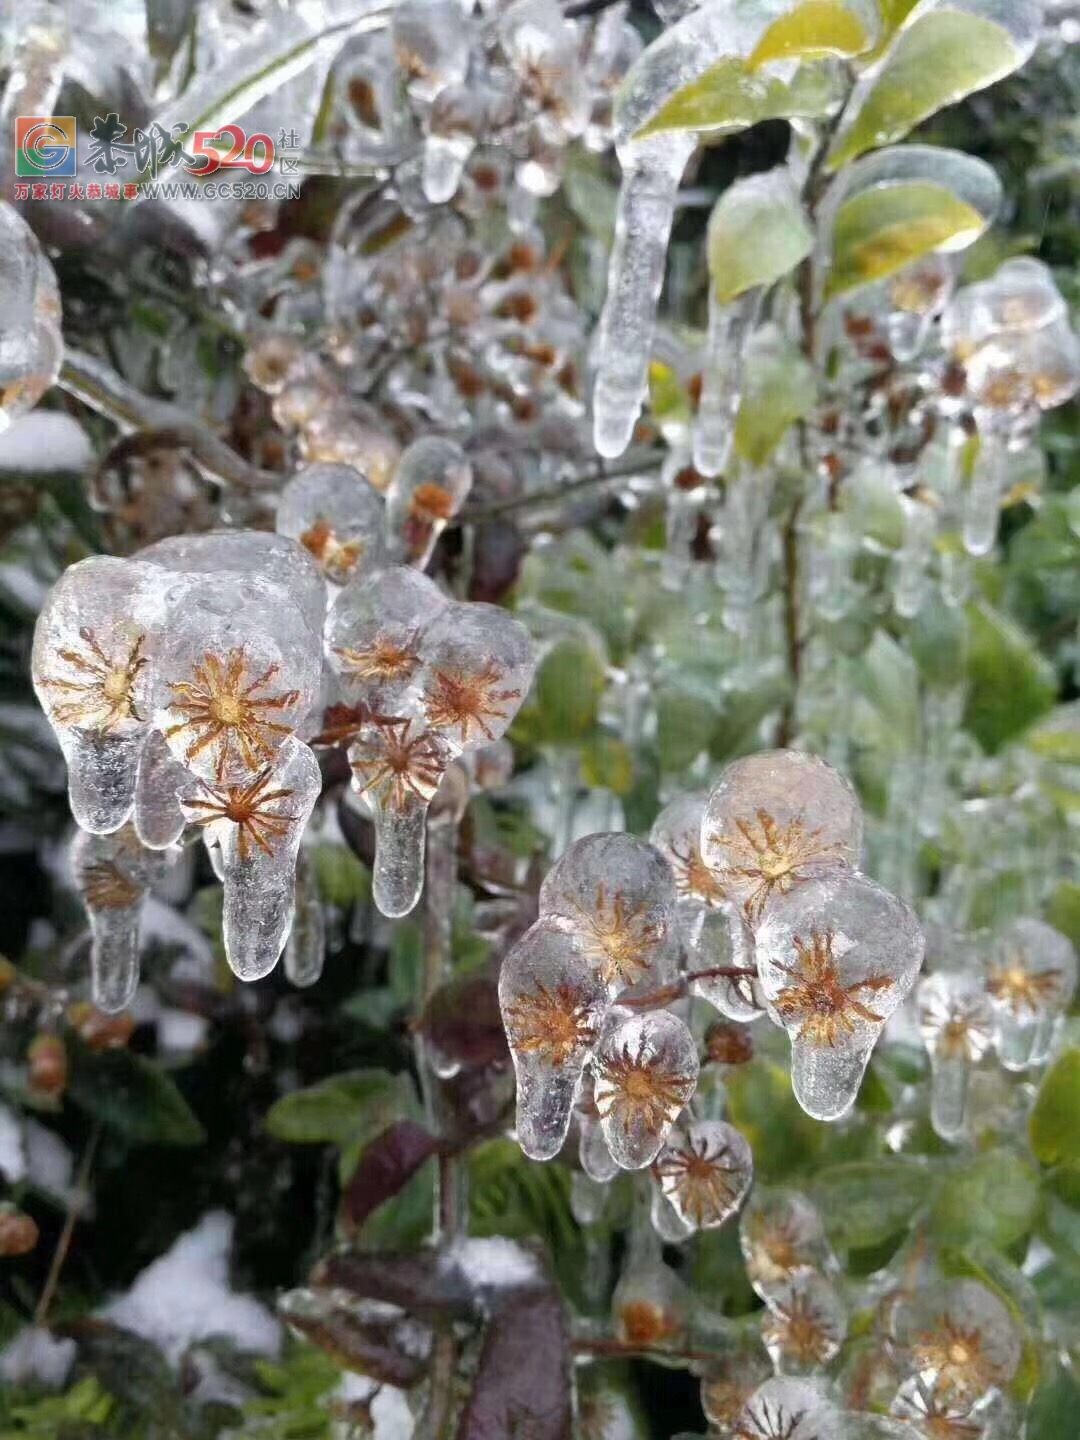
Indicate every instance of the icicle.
{"type": "Point", "coordinates": [305, 949]}
{"type": "Point", "coordinates": [158, 817]}
{"type": "Point", "coordinates": [982, 503]}
{"type": "Point", "coordinates": [112, 874]}
{"type": "Point", "coordinates": [956, 1021]}
{"type": "Point", "coordinates": [652, 170]}
{"type": "Point", "coordinates": [729, 325]}
{"type": "Point", "coordinates": [909, 577]}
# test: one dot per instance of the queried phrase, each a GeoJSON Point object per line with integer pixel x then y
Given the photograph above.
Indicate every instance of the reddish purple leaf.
{"type": "Point", "coordinates": [383, 1345]}
{"type": "Point", "coordinates": [419, 1282]}
{"type": "Point", "coordinates": [522, 1384]}
{"type": "Point", "coordinates": [385, 1166]}
{"type": "Point", "coordinates": [462, 1024]}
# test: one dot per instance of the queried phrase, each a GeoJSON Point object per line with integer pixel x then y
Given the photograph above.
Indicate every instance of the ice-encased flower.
{"type": "Point", "coordinates": [786, 1408]}
{"type": "Point", "coordinates": [432, 481]}
{"type": "Point", "coordinates": [337, 516]}
{"type": "Point", "coordinates": [645, 1071]}
{"type": "Point", "coordinates": [956, 1021]}
{"type": "Point", "coordinates": [774, 820]}
{"type": "Point", "coordinates": [1030, 980]}
{"type": "Point", "coordinates": [804, 1323]}
{"type": "Point", "coordinates": [957, 1337]}
{"type": "Point", "coordinates": [705, 1171]}
{"type": "Point", "coordinates": [373, 638]}
{"type": "Point", "coordinates": [782, 1233]}
{"type": "Point", "coordinates": [836, 957]}
{"type": "Point", "coordinates": [112, 875]}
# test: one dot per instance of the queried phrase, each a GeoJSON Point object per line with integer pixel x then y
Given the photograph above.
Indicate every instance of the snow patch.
{"type": "Point", "coordinates": [12, 1154]}
{"type": "Point", "coordinates": [184, 1296]}
{"type": "Point", "coordinates": [34, 1355]}
{"type": "Point", "coordinates": [494, 1263]}
{"type": "Point", "coordinates": [45, 440]}
{"type": "Point", "coordinates": [49, 1162]}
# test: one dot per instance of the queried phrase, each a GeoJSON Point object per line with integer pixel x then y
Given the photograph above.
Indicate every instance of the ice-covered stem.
{"type": "Point", "coordinates": [99, 386]}
{"type": "Point", "coordinates": [665, 994]}
{"type": "Point", "coordinates": [638, 462]}
{"type": "Point", "coordinates": [730, 324]}
{"type": "Point", "coordinates": [77, 1200]}
{"type": "Point", "coordinates": [652, 170]}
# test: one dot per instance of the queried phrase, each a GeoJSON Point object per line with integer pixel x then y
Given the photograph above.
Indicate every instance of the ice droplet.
{"type": "Point", "coordinates": [159, 819]}
{"type": "Point", "coordinates": [617, 895]}
{"type": "Point", "coordinates": [836, 957]}
{"type": "Point", "coordinates": [787, 1408]}
{"type": "Point", "coordinates": [912, 560]}
{"type": "Point", "coordinates": [1031, 981]}
{"type": "Point", "coordinates": [956, 1020]}
{"type": "Point", "coordinates": [645, 1072]}
{"type": "Point", "coordinates": [93, 659]}
{"type": "Point", "coordinates": [729, 325]}
{"type": "Point", "coordinates": [982, 502]}
{"type": "Point", "coordinates": [774, 820]}
{"type": "Point", "coordinates": [305, 948]}
{"type": "Point", "coordinates": [432, 481]}
{"type": "Point", "coordinates": [112, 874]}
{"type": "Point", "coordinates": [782, 1232]}
{"type": "Point", "coordinates": [705, 1172]}
{"type": "Point", "coordinates": [337, 516]}
{"type": "Point", "coordinates": [258, 822]}
{"type": "Point", "coordinates": [666, 1220]}
{"type": "Point", "coordinates": [804, 1324]}
{"type": "Point", "coordinates": [552, 1005]}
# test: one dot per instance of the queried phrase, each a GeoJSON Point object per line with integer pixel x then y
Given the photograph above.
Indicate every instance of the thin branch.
{"type": "Point", "coordinates": [76, 1204]}
{"type": "Point", "coordinates": [624, 1350]}
{"type": "Point", "coordinates": [639, 462]}
{"type": "Point", "coordinates": [677, 988]}
{"type": "Point", "coordinates": [99, 386]}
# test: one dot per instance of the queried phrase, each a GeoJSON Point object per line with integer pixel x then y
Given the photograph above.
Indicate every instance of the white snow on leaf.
{"type": "Point", "coordinates": [49, 1162]}
{"type": "Point", "coordinates": [184, 1296]}
{"type": "Point", "coordinates": [34, 1355]}
{"type": "Point", "coordinates": [494, 1263]}
{"type": "Point", "coordinates": [45, 440]}
{"type": "Point", "coordinates": [390, 1413]}
{"type": "Point", "coordinates": [12, 1154]}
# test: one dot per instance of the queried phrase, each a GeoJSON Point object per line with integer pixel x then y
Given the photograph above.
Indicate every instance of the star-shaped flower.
{"type": "Point", "coordinates": [825, 1009]}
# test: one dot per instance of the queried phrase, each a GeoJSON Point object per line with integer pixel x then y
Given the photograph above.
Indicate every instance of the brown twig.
{"type": "Point", "coordinates": [74, 1210]}
{"type": "Point", "coordinates": [640, 462]}
{"type": "Point", "coordinates": [677, 988]}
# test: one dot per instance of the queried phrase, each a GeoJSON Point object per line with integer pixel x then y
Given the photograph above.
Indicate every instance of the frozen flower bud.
{"type": "Point", "coordinates": [373, 638]}
{"type": "Point", "coordinates": [773, 821]}
{"type": "Point", "coordinates": [47, 1067]}
{"type": "Point", "coordinates": [272, 361]}
{"type": "Point", "coordinates": [92, 668]}
{"type": "Point", "coordinates": [1031, 980]}
{"type": "Point", "coordinates": [789, 1409]}
{"type": "Point", "coordinates": [99, 1030]}
{"type": "Point", "coordinates": [552, 1005]}
{"type": "Point", "coordinates": [956, 1021]}
{"type": "Point", "coordinates": [724, 942]}
{"type": "Point", "coordinates": [431, 41]}
{"type": "Point", "coordinates": [1020, 297]}
{"type": "Point", "coordinates": [727, 1044]}
{"type": "Point", "coordinates": [398, 765]}
{"type": "Point", "coordinates": [112, 874]}
{"type": "Point", "coordinates": [457, 120]}
{"type": "Point", "coordinates": [958, 1338]}
{"type": "Point", "coordinates": [337, 516]}
{"type": "Point", "coordinates": [836, 957]}
{"type": "Point", "coordinates": [617, 895]}
{"type": "Point", "coordinates": [543, 48]}
{"type": "Point", "coordinates": [429, 487]}
{"type": "Point", "coordinates": [478, 665]}
{"type": "Point", "coordinates": [650, 1305]}
{"type": "Point", "coordinates": [645, 1072]}
{"type": "Point", "coordinates": [805, 1323]}
{"type": "Point", "coordinates": [239, 672]}
{"type": "Point", "coordinates": [730, 1380]}
{"type": "Point", "coordinates": [31, 345]}
{"type": "Point", "coordinates": [705, 1170]}
{"type": "Point", "coordinates": [782, 1233]}
{"type": "Point", "coordinates": [676, 833]}
{"type": "Point", "coordinates": [947, 1417]}
{"type": "Point", "coordinates": [255, 823]}
{"type": "Point", "coordinates": [248, 554]}
{"type": "Point", "coordinates": [18, 1232]}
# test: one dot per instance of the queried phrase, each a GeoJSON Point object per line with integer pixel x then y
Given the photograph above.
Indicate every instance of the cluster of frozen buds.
{"type": "Point", "coordinates": [757, 880]}
{"type": "Point", "coordinates": [1013, 1002]}
{"type": "Point", "coordinates": [31, 345]}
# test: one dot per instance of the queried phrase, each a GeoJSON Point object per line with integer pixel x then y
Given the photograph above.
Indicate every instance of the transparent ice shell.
{"type": "Point", "coordinates": [724, 941]}
{"type": "Point", "coordinates": [773, 821]}
{"type": "Point", "coordinates": [478, 665]}
{"type": "Point", "coordinates": [31, 344]}
{"type": "Point", "coordinates": [782, 1233]}
{"type": "Point", "coordinates": [256, 824]}
{"type": "Point", "coordinates": [617, 895]}
{"type": "Point", "coordinates": [552, 1005]}
{"type": "Point", "coordinates": [676, 833]}
{"type": "Point", "coordinates": [957, 1337]}
{"type": "Point", "coordinates": [112, 875]}
{"type": "Point", "coordinates": [645, 1072]}
{"type": "Point", "coordinates": [430, 486]}
{"type": "Point", "coordinates": [705, 1170]}
{"type": "Point", "coordinates": [159, 820]}
{"type": "Point", "coordinates": [1031, 980]}
{"type": "Point", "coordinates": [804, 1324]}
{"type": "Point", "coordinates": [373, 638]}
{"type": "Point", "coordinates": [836, 957]}
{"type": "Point", "coordinates": [956, 1021]}
{"type": "Point", "coordinates": [788, 1408]}
{"type": "Point", "coordinates": [337, 516]}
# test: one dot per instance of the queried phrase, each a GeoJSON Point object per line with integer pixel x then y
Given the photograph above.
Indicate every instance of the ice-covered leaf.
{"type": "Point", "coordinates": [1054, 1126]}
{"type": "Point", "coordinates": [942, 53]}
{"type": "Point", "coordinates": [385, 1166]}
{"type": "Point", "coordinates": [130, 1094]}
{"type": "Point", "coordinates": [866, 1202]}
{"type": "Point", "coordinates": [757, 233]}
{"type": "Point", "coordinates": [341, 1109]}
{"type": "Point", "coordinates": [730, 96]}
{"type": "Point", "coordinates": [1011, 684]}
{"type": "Point", "coordinates": [814, 30]}
{"type": "Point", "coordinates": [778, 387]}
{"type": "Point", "coordinates": [522, 1382]}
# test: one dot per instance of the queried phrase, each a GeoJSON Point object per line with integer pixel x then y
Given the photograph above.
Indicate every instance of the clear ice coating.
{"type": "Point", "coordinates": [305, 948]}
{"type": "Point", "coordinates": [159, 820]}
{"type": "Point", "coordinates": [789, 1408]}
{"type": "Point", "coordinates": [112, 875]}
{"type": "Point", "coordinates": [552, 1003]}
{"type": "Point", "coordinates": [645, 1071]}
{"type": "Point", "coordinates": [31, 345]}
{"type": "Point", "coordinates": [92, 667]}
{"type": "Point", "coordinates": [373, 638]}
{"type": "Point", "coordinates": [957, 1337]}
{"type": "Point", "coordinates": [836, 956]}
{"type": "Point", "coordinates": [337, 516]}
{"type": "Point", "coordinates": [256, 824]}
{"type": "Point", "coordinates": [724, 941]}
{"type": "Point", "coordinates": [432, 481]}
{"type": "Point", "coordinates": [616, 894]}
{"type": "Point", "coordinates": [782, 1233]}
{"type": "Point", "coordinates": [1031, 980]}
{"type": "Point", "coordinates": [773, 821]}
{"type": "Point", "coordinates": [956, 1021]}
{"type": "Point", "coordinates": [705, 1170]}
{"type": "Point", "coordinates": [676, 833]}
{"type": "Point", "coordinates": [804, 1323]}
{"type": "Point", "coordinates": [729, 326]}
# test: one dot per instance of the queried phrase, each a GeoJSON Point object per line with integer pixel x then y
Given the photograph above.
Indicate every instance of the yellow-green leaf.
{"type": "Point", "coordinates": [935, 61]}
{"type": "Point", "coordinates": [884, 228]}
{"type": "Point", "coordinates": [1054, 1126]}
{"type": "Point", "coordinates": [779, 388]}
{"type": "Point", "coordinates": [757, 232]}
{"type": "Point", "coordinates": [730, 97]}
{"type": "Point", "coordinates": [815, 30]}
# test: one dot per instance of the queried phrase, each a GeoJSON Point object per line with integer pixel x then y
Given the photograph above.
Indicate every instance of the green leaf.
{"type": "Point", "coordinates": [341, 878]}
{"type": "Point", "coordinates": [1058, 736]}
{"type": "Point", "coordinates": [569, 684]}
{"type": "Point", "coordinates": [779, 387]}
{"type": "Point", "coordinates": [1054, 1124]}
{"type": "Point", "coordinates": [130, 1094]}
{"type": "Point", "coordinates": [885, 675]}
{"type": "Point", "coordinates": [606, 762]}
{"type": "Point", "coordinates": [935, 61]}
{"type": "Point", "coordinates": [814, 30]}
{"type": "Point", "coordinates": [866, 1202]}
{"type": "Point", "coordinates": [684, 727]}
{"type": "Point", "coordinates": [994, 1195]}
{"type": "Point", "coordinates": [1052, 1413]}
{"type": "Point", "coordinates": [346, 1109]}
{"type": "Point", "coordinates": [757, 233]}
{"type": "Point", "coordinates": [1011, 684]}
{"type": "Point", "coordinates": [937, 639]}
{"type": "Point", "coordinates": [1063, 911]}
{"type": "Point", "coordinates": [885, 227]}
{"type": "Point", "coordinates": [730, 97]}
